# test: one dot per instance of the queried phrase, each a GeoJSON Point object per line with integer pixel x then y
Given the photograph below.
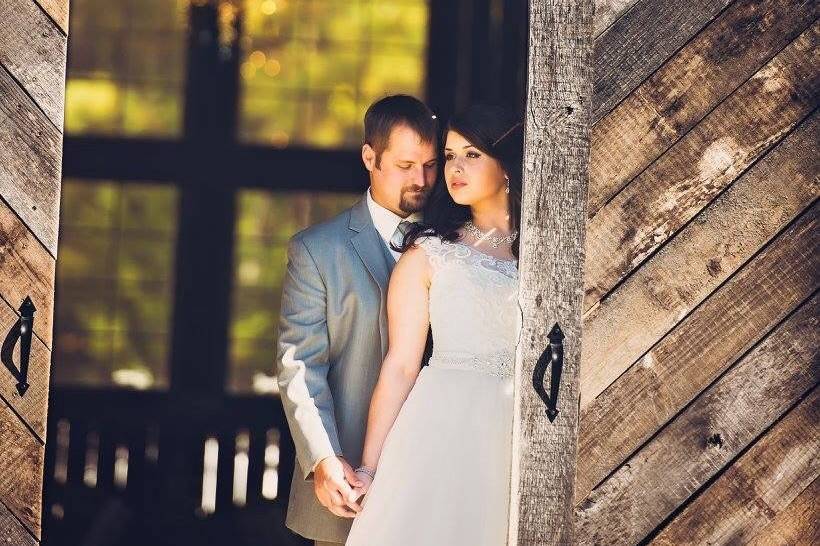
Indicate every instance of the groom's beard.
{"type": "Point", "coordinates": [413, 201]}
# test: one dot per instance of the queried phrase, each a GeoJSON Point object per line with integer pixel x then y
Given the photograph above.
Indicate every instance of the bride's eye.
{"type": "Point", "coordinates": [473, 154]}
{"type": "Point", "coordinates": [449, 156]}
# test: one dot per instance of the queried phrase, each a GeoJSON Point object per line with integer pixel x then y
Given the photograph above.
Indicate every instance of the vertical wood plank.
{"type": "Point", "coordinates": [556, 156]}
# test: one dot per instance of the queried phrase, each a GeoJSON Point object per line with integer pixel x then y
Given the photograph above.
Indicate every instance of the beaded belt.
{"type": "Point", "coordinates": [499, 363]}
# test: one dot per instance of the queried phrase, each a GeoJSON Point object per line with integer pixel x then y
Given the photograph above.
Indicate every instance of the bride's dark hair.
{"type": "Point", "coordinates": [499, 133]}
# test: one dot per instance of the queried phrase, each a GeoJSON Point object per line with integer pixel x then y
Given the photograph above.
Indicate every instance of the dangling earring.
{"type": "Point", "coordinates": [507, 189]}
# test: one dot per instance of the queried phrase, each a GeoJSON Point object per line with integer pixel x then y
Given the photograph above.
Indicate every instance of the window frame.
{"type": "Point", "coordinates": [210, 164]}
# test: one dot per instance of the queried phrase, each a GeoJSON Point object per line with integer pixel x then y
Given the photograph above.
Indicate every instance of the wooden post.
{"type": "Point", "coordinates": [556, 152]}
{"type": "Point", "coordinates": [32, 83]}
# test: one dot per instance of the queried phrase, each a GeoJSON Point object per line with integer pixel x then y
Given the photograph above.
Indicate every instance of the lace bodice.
{"type": "Point", "coordinates": [474, 311]}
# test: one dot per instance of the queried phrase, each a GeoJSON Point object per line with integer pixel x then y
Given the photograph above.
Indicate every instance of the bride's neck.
{"type": "Point", "coordinates": [493, 219]}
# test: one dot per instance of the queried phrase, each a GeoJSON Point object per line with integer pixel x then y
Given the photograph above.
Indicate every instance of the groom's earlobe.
{"type": "Point", "coordinates": [368, 157]}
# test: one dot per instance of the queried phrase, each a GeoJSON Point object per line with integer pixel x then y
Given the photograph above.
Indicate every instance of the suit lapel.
{"type": "Point", "coordinates": [368, 245]}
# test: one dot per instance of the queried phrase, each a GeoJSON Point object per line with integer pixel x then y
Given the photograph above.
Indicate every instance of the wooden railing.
{"type": "Point", "coordinates": [130, 467]}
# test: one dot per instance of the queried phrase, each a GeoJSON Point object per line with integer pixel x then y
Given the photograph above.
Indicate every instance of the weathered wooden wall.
{"type": "Point", "coordinates": [32, 82]}
{"type": "Point", "coordinates": [699, 406]}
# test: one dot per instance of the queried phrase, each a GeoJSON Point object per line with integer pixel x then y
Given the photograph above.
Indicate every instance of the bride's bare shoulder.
{"type": "Point", "coordinates": [414, 264]}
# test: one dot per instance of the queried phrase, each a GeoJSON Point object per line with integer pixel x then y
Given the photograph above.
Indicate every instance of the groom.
{"type": "Point", "coordinates": [333, 323]}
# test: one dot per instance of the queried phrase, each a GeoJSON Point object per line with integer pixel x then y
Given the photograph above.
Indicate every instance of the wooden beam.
{"type": "Point", "coordinates": [12, 531]}
{"type": "Point", "coordinates": [687, 87]}
{"type": "Point", "coordinates": [757, 487]}
{"type": "Point", "coordinates": [58, 11]}
{"type": "Point", "coordinates": [30, 156]}
{"type": "Point", "coordinates": [660, 201]}
{"type": "Point", "coordinates": [798, 524]}
{"type": "Point", "coordinates": [641, 41]}
{"type": "Point", "coordinates": [710, 433]}
{"type": "Point", "coordinates": [26, 269]}
{"type": "Point", "coordinates": [698, 259]}
{"type": "Point", "coordinates": [607, 12]}
{"type": "Point", "coordinates": [697, 351]}
{"type": "Point", "coordinates": [551, 271]}
{"type": "Point", "coordinates": [31, 407]}
{"type": "Point", "coordinates": [21, 470]}
{"type": "Point", "coordinates": [34, 52]}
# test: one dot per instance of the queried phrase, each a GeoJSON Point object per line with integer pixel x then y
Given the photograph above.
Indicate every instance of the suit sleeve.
{"type": "Point", "coordinates": [302, 361]}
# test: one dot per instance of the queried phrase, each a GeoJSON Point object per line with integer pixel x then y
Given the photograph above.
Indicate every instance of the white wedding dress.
{"type": "Point", "coordinates": [444, 471]}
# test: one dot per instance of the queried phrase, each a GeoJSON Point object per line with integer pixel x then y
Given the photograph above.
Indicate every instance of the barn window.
{"type": "Point", "coordinates": [125, 73]}
{"type": "Point", "coordinates": [115, 284]}
{"type": "Point", "coordinates": [310, 68]}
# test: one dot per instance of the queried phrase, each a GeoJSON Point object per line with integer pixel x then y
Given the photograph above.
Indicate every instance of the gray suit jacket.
{"type": "Point", "coordinates": [332, 340]}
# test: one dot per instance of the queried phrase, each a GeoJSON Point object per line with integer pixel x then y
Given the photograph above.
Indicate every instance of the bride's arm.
{"type": "Point", "coordinates": [407, 325]}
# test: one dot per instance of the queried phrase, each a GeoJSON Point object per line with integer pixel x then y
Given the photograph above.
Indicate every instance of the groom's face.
{"type": "Point", "coordinates": [406, 173]}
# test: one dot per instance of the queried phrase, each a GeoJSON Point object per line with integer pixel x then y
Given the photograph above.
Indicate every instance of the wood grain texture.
{"type": "Point", "coordinates": [641, 41]}
{"type": "Point", "coordinates": [21, 470]}
{"type": "Point", "coordinates": [30, 162]}
{"type": "Point", "coordinates": [31, 407]}
{"type": "Point", "coordinates": [697, 351]}
{"type": "Point", "coordinates": [12, 532]}
{"type": "Point", "coordinates": [642, 217]}
{"type": "Point", "coordinates": [698, 259]}
{"type": "Point", "coordinates": [26, 269]}
{"type": "Point", "coordinates": [58, 11]}
{"type": "Point", "coordinates": [607, 12]}
{"type": "Point", "coordinates": [707, 435]}
{"type": "Point", "coordinates": [33, 49]}
{"type": "Point", "coordinates": [797, 525]}
{"type": "Point", "coordinates": [552, 232]}
{"type": "Point", "coordinates": [687, 87]}
{"type": "Point", "coordinates": [757, 487]}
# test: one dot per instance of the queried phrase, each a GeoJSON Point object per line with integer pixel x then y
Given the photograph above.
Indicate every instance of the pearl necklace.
{"type": "Point", "coordinates": [494, 240]}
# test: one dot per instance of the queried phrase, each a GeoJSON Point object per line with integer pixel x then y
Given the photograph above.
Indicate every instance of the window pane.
{"type": "Point", "coordinates": [126, 67]}
{"type": "Point", "coordinates": [114, 295]}
{"type": "Point", "coordinates": [310, 68]}
{"type": "Point", "coordinates": [265, 222]}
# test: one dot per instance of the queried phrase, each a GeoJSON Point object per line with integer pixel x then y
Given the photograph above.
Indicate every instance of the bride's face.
{"type": "Point", "coordinates": [471, 175]}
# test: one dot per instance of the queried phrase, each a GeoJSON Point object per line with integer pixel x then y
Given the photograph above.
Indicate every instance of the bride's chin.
{"type": "Point", "coordinates": [461, 201]}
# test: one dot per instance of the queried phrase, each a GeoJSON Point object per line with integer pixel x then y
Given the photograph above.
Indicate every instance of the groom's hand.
{"type": "Point", "coordinates": [332, 481]}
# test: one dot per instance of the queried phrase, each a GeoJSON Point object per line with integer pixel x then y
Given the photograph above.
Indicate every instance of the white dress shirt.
{"type": "Point", "coordinates": [386, 221]}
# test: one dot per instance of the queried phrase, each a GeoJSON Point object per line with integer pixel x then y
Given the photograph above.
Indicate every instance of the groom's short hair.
{"type": "Point", "coordinates": [386, 113]}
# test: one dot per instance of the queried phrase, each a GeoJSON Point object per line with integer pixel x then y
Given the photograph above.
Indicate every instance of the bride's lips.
{"type": "Point", "coordinates": [455, 184]}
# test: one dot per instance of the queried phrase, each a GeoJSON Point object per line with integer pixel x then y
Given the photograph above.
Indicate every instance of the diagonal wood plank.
{"type": "Point", "coordinates": [30, 161]}
{"type": "Point", "coordinates": [667, 378]}
{"type": "Point", "coordinates": [639, 42]}
{"type": "Point", "coordinates": [21, 470]}
{"type": "Point", "coordinates": [697, 260]}
{"type": "Point", "coordinates": [58, 11]}
{"type": "Point", "coordinates": [797, 525]}
{"type": "Point", "coordinates": [642, 217]}
{"type": "Point", "coordinates": [32, 407]}
{"type": "Point", "coordinates": [26, 269]}
{"type": "Point", "coordinates": [33, 50]}
{"type": "Point", "coordinates": [758, 486]}
{"type": "Point", "coordinates": [678, 96]}
{"type": "Point", "coordinates": [707, 435]}
{"type": "Point", "coordinates": [607, 12]}
{"type": "Point", "coordinates": [11, 531]}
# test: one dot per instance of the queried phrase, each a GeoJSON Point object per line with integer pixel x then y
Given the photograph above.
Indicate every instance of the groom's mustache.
{"type": "Point", "coordinates": [416, 189]}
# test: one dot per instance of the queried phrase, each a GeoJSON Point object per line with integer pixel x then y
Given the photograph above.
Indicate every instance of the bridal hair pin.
{"type": "Point", "coordinates": [507, 132]}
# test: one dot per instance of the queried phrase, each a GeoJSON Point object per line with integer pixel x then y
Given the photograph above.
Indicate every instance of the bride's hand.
{"type": "Point", "coordinates": [365, 480]}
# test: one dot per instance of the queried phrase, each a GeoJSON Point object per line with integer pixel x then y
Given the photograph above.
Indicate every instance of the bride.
{"type": "Point", "coordinates": [436, 461]}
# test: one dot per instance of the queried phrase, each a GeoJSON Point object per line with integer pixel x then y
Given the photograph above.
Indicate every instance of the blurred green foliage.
{"type": "Point", "coordinates": [126, 62]}
{"type": "Point", "coordinates": [265, 222]}
{"type": "Point", "coordinates": [114, 292]}
{"type": "Point", "coordinates": [310, 68]}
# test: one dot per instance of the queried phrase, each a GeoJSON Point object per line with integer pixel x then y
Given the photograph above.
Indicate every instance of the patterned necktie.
{"type": "Point", "coordinates": [398, 236]}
